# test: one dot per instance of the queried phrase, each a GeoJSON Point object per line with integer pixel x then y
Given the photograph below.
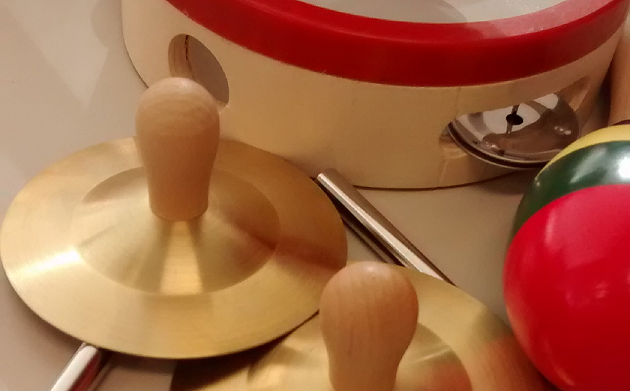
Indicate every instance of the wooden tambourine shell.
{"type": "Point", "coordinates": [459, 345]}
{"type": "Point", "coordinates": [371, 95]}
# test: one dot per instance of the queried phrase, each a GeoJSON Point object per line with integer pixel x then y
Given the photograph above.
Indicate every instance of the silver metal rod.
{"type": "Point", "coordinates": [381, 235]}
{"type": "Point", "coordinates": [83, 370]}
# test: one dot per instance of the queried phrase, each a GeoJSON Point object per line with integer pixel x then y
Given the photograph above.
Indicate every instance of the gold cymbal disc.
{"type": "Point", "coordinates": [459, 345]}
{"type": "Point", "coordinates": [82, 248]}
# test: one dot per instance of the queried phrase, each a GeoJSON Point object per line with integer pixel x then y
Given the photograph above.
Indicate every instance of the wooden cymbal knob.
{"type": "Point", "coordinates": [369, 314]}
{"type": "Point", "coordinates": [177, 135]}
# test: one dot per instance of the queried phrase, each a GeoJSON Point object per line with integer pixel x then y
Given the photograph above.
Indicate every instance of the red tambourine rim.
{"type": "Point", "coordinates": [412, 54]}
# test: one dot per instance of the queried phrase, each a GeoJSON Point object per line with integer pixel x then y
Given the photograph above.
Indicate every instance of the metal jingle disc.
{"type": "Point", "coordinates": [83, 250]}
{"type": "Point", "coordinates": [524, 136]}
{"type": "Point", "coordinates": [459, 345]}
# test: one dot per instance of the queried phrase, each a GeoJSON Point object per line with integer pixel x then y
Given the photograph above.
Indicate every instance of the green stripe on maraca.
{"type": "Point", "coordinates": [593, 165]}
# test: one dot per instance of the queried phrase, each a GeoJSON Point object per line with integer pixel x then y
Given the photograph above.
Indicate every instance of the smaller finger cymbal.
{"type": "Point", "coordinates": [172, 244]}
{"type": "Point", "coordinates": [458, 344]}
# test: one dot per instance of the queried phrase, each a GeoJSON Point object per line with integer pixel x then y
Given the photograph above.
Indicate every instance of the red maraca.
{"type": "Point", "coordinates": [567, 271]}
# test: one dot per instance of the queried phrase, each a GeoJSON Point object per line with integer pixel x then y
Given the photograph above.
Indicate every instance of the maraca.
{"type": "Point", "coordinates": [567, 270]}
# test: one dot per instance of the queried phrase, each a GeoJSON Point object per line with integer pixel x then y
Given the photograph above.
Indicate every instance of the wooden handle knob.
{"type": "Point", "coordinates": [177, 134]}
{"type": "Point", "coordinates": [369, 314]}
{"type": "Point", "coordinates": [620, 80]}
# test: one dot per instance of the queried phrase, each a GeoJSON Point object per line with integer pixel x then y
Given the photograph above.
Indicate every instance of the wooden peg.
{"type": "Point", "coordinates": [177, 134]}
{"type": "Point", "coordinates": [620, 80]}
{"type": "Point", "coordinates": [369, 314]}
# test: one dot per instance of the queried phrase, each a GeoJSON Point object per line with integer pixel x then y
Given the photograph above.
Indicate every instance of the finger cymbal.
{"type": "Point", "coordinates": [156, 246]}
{"type": "Point", "coordinates": [457, 343]}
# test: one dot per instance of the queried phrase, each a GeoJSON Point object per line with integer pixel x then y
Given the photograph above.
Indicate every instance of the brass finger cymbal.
{"type": "Point", "coordinates": [458, 345]}
{"type": "Point", "coordinates": [154, 246]}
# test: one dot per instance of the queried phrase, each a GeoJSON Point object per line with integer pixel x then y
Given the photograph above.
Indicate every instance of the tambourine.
{"type": "Point", "coordinates": [395, 95]}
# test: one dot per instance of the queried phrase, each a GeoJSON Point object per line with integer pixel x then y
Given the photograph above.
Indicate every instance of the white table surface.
{"type": "Point", "coordinates": [66, 83]}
